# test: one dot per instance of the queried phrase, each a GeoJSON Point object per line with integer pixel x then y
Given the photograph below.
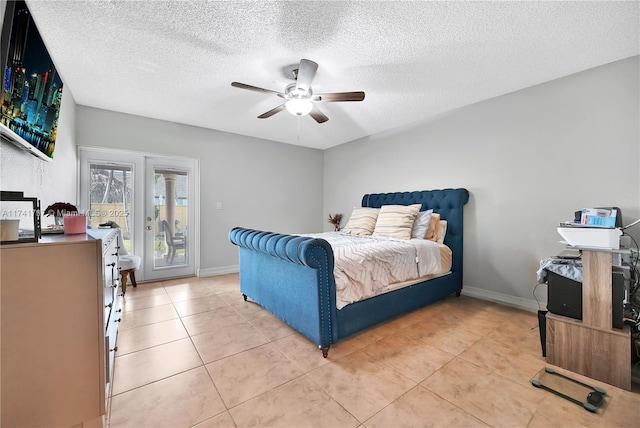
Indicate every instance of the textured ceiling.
{"type": "Point", "coordinates": [175, 60]}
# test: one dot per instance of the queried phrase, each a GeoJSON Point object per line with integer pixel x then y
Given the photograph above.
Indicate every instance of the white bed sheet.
{"type": "Point", "coordinates": [365, 266]}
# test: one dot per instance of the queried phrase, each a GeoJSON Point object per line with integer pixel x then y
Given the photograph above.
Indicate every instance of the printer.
{"type": "Point", "coordinates": [593, 228]}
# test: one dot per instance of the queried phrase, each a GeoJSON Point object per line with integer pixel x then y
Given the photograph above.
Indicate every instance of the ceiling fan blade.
{"type": "Point", "coordinates": [339, 96]}
{"type": "Point", "coordinates": [318, 115]}
{"type": "Point", "coordinates": [253, 88]}
{"type": "Point", "coordinates": [306, 72]}
{"type": "Point", "coordinates": [272, 112]}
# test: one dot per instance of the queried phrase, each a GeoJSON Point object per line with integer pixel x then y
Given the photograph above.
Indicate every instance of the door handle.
{"type": "Point", "coordinates": [148, 218]}
{"type": "Point", "coordinates": [149, 228]}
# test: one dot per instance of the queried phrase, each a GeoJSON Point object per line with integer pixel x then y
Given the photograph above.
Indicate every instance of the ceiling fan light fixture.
{"type": "Point", "coordinates": [299, 107]}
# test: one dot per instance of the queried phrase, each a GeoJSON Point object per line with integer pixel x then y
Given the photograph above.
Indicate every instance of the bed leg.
{"type": "Point", "coordinates": [458, 292]}
{"type": "Point", "coordinates": [325, 351]}
{"type": "Point", "coordinates": [244, 296]}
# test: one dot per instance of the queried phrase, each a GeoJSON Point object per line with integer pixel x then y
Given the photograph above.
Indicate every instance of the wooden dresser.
{"type": "Point", "coordinates": [59, 310]}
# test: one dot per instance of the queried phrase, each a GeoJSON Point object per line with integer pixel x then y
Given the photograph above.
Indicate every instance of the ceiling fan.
{"type": "Point", "coordinates": [299, 96]}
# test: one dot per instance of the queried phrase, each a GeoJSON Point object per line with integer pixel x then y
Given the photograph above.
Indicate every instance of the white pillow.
{"type": "Point", "coordinates": [396, 221]}
{"type": "Point", "coordinates": [421, 224]}
{"type": "Point", "coordinates": [362, 221]}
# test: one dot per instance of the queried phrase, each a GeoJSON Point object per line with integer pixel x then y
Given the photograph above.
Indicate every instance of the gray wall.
{"type": "Point", "coordinates": [529, 159]}
{"type": "Point", "coordinates": [262, 184]}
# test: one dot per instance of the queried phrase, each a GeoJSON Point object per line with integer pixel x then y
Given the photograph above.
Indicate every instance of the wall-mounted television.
{"type": "Point", "coordinates": [31, 90]}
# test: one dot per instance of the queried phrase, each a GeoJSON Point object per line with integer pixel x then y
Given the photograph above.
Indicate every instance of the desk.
{"type": "Point", "coordinates": [591, 347]}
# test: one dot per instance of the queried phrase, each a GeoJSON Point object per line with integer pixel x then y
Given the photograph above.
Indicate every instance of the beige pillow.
{"type": "Point", "coordinates": [432, 231]}
{"type": "Point", "coordinates": [362, 221]}
{"type": "Point", "coordinates": [396, 221]}
{"type": "Point", "coordinates": [442, 231]}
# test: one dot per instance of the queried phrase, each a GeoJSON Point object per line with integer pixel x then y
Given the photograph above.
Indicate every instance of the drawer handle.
{"type": "Point", "coordinates": [111, 264]}
{"type": "Point", "coordinates": [109, 305]}
{"type": "Point", "coordinates": [118, 320]}
{"type": "Point", "coordinates": [114, 254]}
{"type": "Point", "coordinates": [114, 349]}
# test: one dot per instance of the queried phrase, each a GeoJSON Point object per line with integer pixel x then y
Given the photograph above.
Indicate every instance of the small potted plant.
{"type": "Point", "coordinates": [335, 221]}
{"type": "Point", "coordinates": [58, 210]}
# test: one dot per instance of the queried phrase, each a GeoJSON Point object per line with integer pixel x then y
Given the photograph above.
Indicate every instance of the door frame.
{"type": "Point", "coordinates": [88, 154]}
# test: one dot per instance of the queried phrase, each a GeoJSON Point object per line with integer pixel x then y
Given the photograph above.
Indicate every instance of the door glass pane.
{"type": "Point", "coordinates": [110, 198]}
{"type": "Point", "coordinates": [171, 217]}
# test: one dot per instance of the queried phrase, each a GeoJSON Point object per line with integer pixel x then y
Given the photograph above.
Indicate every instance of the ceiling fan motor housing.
{"type": "Point", "coordinates": [293, 91]}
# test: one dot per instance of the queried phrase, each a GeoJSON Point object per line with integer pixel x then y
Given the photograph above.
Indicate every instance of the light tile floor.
{"type": "Point", "coordinates": [191, 352]}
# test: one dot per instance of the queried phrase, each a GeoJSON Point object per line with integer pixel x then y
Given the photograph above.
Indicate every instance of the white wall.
{"type": "Point", "coordinates": [262, 184]}
{"type": "Point", "coordinates": [529, 159]}
{"type": "Point", "coordinates": [48, 181]}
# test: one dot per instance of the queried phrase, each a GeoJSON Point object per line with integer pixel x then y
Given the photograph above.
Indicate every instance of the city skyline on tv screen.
{"type": "Point", "coordinates": [31, 88]}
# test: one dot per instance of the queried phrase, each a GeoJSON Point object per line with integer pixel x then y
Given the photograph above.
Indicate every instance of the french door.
{"type": "Point", "coordinates": [153, 201]}
{"type": "Point", "coordinates": [169, 229]}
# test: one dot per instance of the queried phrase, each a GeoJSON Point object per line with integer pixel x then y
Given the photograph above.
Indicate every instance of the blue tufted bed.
{"type": "Point", "coordinates": [292, 276]}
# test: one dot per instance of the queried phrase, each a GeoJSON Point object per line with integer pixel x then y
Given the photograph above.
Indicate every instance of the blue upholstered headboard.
{"type": "Point", "coordinates": [449, 203]}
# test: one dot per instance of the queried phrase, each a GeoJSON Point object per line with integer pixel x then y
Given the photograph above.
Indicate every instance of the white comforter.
{"type": "Point", "coordinates": [365, 265]}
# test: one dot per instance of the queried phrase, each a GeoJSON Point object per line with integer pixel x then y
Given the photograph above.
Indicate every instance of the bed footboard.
{"type": "Point", "coordinates": [292, 277]}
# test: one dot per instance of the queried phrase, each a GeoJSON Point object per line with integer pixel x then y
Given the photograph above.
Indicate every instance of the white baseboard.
{"type": "Point", "coordinates": [217, 271]}
{"type": "Point", "coordinates": [517, 302]}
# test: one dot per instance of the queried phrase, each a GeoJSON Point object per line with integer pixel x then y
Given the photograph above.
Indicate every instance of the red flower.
{"type": "Point", "coordinates": [60, 208]}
